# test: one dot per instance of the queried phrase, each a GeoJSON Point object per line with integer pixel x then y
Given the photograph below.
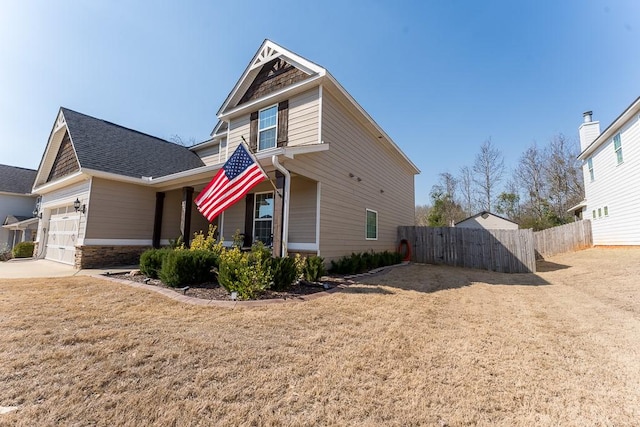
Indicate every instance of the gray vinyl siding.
{"type": "Point", "coordinates": [303, 118]}
{"type": "Point", "coordinates": [233, 220]}
{"type": "Point", "coordinates": [120, 211]}
{"type": "Point", "coordinates": [302, 211]}
{"type": "Point", "coordinates": [386, 184]}
{"type": "Point", "coordinates": [212, 155]}
{"type": "Point", "coordinates": [238, 127]}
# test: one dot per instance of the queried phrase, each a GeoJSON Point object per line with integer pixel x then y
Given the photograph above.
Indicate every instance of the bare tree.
{"type": "Point", "coordinates": [563, 175]}
{"type": "Point", "coordinates": [422, 215]}
{"type": "Point", "coordinates": [488, 169]}
{"type": "Point", "coordinates": [177, 139]}
{"type": "Point", "coordinates": [466, 189]}
{"type": "Point", "coordinates": [530, 177]}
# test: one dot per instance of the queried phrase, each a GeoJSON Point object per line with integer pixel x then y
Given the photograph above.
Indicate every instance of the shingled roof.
{"type": "Point", "coordinates": [108, 147]}
{"type": "Point", "coordinates": [16, 180]}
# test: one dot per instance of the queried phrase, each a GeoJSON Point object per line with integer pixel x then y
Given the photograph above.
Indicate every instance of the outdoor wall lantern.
{"type": "Point", "coordinates": [37, 213]}
{"type": "Point", "coordinates": [76, 206]}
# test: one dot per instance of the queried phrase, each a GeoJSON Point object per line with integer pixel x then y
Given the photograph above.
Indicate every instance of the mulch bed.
{"type": "Point", "coordinates": [213, 291]}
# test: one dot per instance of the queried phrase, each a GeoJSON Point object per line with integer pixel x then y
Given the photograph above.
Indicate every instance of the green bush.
{"type": "Point", "coordinates": [23, 250]}
{"type": "Point", "coordinates": [183, 267]}
{"type": "Point", "coordinates": [313, 268]}
{"type": "Point", "coordinates": [284, 273]}
{"type": "Point", "coordinates": [248, 274]}
{"type": "Point", "coordinates": [151, 261]}
{"type": "Point", "coordinates": [361, 262]}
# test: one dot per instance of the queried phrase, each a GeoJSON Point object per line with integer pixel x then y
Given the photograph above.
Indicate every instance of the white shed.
{"type": "Point", "coordinates": [487, 220]}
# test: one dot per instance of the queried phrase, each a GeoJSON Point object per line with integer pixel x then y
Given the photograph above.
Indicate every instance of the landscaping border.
{"type": "Point", "coordinates": [170, 293]}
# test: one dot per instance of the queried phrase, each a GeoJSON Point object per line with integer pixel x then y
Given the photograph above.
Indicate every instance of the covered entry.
{"type": "Point", "coordinates": [62, 235]}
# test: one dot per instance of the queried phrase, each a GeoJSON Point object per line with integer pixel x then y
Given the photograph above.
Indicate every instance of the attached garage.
{"type": "Point", "coordinates": [62, 235]}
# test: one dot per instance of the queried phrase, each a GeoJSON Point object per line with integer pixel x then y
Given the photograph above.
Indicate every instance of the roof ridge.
{"type": "Point", "coordinates": [124, 127]}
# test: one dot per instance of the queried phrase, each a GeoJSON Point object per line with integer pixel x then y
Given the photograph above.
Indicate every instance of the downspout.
{"type": "Point", "coordinates": [285, 209]}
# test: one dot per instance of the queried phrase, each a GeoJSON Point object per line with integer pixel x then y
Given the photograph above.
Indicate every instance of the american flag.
{"type": "Point", "coordinates": [238, 175]}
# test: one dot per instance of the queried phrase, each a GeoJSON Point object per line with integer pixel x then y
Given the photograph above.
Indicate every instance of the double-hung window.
{"type": "Point", "coordinates": [372, 225]}
{"type": "Point", "coordinates": [617, 146]}
{"type": "Point", "coordinates": [263, 218]}
{"type": "Point", "coordinates": [267, 127]}
{"type": "Point", "coordinates": [590, 166]}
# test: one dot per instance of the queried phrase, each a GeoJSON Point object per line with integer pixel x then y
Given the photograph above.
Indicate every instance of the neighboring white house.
{"type": "Point", "coordinates": [487, 220]}
{"type": "Point", "coordinates": [16, 206]}
{"type": "Point", "coordinates": [611, 170]}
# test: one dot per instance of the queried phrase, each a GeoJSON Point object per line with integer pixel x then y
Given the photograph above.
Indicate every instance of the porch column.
{"type": "Point", "coordinates": [185, 217]}
{"type": "Point", "coordinates": [278, 210]}
{"type": "Point", "coordinates": [157, 219]}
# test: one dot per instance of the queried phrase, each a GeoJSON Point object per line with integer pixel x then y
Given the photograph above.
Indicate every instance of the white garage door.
{"type": "Point", "coordinates": [62, 235]}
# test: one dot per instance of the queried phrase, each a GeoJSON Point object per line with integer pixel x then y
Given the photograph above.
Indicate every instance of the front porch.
{"type": "Point", "coordinates": [285, 219]}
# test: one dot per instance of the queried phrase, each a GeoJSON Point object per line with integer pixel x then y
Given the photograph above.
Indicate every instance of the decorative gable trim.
{"type": "Point", "coordinates": [265, 55]}
{"type": "Point", "coordinates": [273, 76]}
{"type": "Point", "coordinates": [66, 161]}
{"type": "Point", "coordinates": [267, 52]}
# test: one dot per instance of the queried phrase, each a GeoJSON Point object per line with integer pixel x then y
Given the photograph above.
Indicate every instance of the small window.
{"type": "Point", "coordinates": [267, 127]}
{"type": "Point", "coordinates": [263, 218]}
{"type": "Point", "coordinates": [590, 166]}
{"type": "Point", "coordinates": [599, 212]}
{"type": "Point", "coordinates": [372, 225]}
{"type": "Point", "coordinates": [606, 211]}
{"type": "Point", "coordinates": [617, 145]}
{"type": "Point", "coordinates": [594, 214]}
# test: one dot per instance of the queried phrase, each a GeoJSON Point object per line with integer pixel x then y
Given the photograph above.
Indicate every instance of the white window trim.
{"type": "Point", "coordinates": [590, 169]}
{"type": "Point", "coordinates": [365, 224]}
{"type": "Point", "coordinates": [255, 201]}
{"type": "Point", "coordinates": [267, 128]}
{"type": "Point", "coordinates": [619, 149]}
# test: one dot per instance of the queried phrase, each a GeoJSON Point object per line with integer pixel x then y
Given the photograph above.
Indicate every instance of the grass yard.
{"type": "Point", "coordinates": [420, 345]}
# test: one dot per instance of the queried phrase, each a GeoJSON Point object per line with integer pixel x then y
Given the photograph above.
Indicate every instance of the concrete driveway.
{"type": "Point", "coordinates": [28, 267]}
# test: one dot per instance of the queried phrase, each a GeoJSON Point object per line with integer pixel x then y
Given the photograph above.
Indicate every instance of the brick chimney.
{"type": "Point", "coordinates": [589, 130]}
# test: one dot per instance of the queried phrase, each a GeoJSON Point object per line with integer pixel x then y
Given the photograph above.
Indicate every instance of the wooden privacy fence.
{"type": "Point", "coordinates": [564, 238]}
{"type": "Point", "coordinates": [507, 251]}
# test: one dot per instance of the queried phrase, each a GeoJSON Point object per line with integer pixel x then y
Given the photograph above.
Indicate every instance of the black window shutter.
{"type": "Point", "coordinates": [248, 220]}
{"type": "Point", "coordinates": [283, 123]}
{"type": "Point", "coordinates": [253, 132]}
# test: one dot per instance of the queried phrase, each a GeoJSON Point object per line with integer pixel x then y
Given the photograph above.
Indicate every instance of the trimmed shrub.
{"type": "Point", "coordinates": [151, 261]}
{"type": "Point", "coordinates": [183, 267]}
{"type": "Point", "coordinates": [248, 274]}
{"type": "Point", "coordinates": [23, 250]}
{"type": "Point", "coordinates": [284, 273]}
{"type": "Point", "coordinates": [313, 268]}
{"type": "Point", "coordinates": [361, 262]}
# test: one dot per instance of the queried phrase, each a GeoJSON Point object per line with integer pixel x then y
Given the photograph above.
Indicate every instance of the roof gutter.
{"type": "Point", "coordinates": [362, 111]}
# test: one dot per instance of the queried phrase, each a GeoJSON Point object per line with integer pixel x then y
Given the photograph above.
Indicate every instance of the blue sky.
{"type": "Point", "coordinates": [439, 76]}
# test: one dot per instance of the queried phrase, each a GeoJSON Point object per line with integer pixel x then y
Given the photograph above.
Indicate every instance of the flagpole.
{"type": "Point", "coordinates": [246, 146]}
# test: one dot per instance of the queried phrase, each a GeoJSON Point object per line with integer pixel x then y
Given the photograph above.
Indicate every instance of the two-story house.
{"type": "Point", "coordinates": [611, 170]}
{"type": "Point", "coordinates": [338, 182]}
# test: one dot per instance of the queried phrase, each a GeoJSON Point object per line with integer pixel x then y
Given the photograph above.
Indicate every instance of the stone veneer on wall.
{"type": "Point", "coordinates": [107, 256]}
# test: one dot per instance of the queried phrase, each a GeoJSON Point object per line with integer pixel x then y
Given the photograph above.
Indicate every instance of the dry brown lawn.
{"type": "Point", "coordinates": [420, 345]}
